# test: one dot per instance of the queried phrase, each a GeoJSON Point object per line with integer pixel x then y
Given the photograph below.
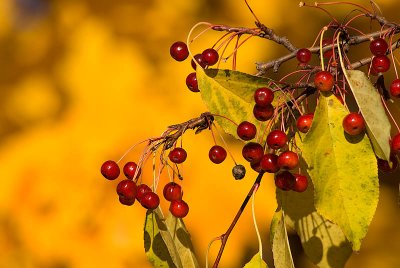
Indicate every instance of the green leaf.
{"type": "Point", "coordinates": [158, 243]}
{"type": "Point", "coordinates": [182, 240]}
{"type": "Point", "coordinates": [256, 262]}
{"type": "Point", "coordinates": [343, 170]}
{"type": "Point", "coordinates": [280, 242]}
{"type": "Point", "coordinates": [370, 104]}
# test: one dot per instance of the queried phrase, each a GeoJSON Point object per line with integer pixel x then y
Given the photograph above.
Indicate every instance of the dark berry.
{"type": "Point", "coordinates": [253, 152]}
{"type": "Point", "coordinates": [323, 81]}
{"type": "Point", "coordinates": [384, 166]}
{"type": "Point", "coordinates": [263, 96]}
{"type": "Point", "coordinates": [179, 51]}
{"type": "Point", "coordinates": [150, 200]}
{"type": "Point", "coordinates": [130, 170]}
{"type": "Point", "coordinates": [256, 166]}
{"type": "Point", "coordinates": [304, 122]}
{"type": "Point", "coordinates": [191, 82]}
{"type": "Point", "coordinates": [210, 56]}
{"type": "Point", "coordinates": [378, 46]}
{"type": "Point", "coordinates": [300, 184]}
{"type": "Point", "coordinates": [269, 163]}
{"type": "Point", "coordinates": [179, 208]}
{"type": "Point", "coordinates": [263, 113]}
{"type": "Point", "coordinates": [276, 139]}
{"type": "Point", "coordinates": [141, 190]}
{"type": "Point", "coordinates": [217, 154]}
{"type": "Point", "coordinates": [177, 155]}
{"type": "Point", "coordinates": [395, 88]}
{"type": "Point", "coordinates": [353, 124]}
{"type": "Point", "coordinates": [200, 61]}
{"type": "Point", "coordinates": [326, 42]}
{"type": "Point", "coordinates": [172, 191]}
{"type": "Point", "coordinates": [126, 201]}
{"type": "Point", "coordinates": [303, 55]}
{"type": "Point", "coordinates": [238, 172]}
{"type": "Point", "coordinates": [127, 189]}
{"type": "Point", "coordinates": [284, 180]}
{"type": "Point", "coordinates": [110, 170]}
{"type": "Point", "coordinates": [288, 160]}
{"type": "Point", "coordinates": [246, 131]}
{"type": "Point", "coordinates": [395, 144]}
{"type": "Point", "coordinates": [381, 64]}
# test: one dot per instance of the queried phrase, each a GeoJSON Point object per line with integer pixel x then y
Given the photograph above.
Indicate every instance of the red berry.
{"type": "Point", "coordinates": [256, 166]}
{"type": "Point", "coordinates": [150, 200]}
{"type": "Point", "coordinates": [200, 61]}
{"type": "Point", "coordinates": [326, 42]}
{"type": "Point", "coordinates": [288, 160]}
{"type": "Point", "coordinates": [353, 124]}
{"type": "Point", "coordinates": [276, 139]}
{"type": "Point", "coordinates": [381, 64]}
{"type": "Point", "coordinates": [378, 46]}
{"type": "Point", "coordinates": [284, 180]}
{"type": "Point", "coordinates": [269, 163]}
{"type": "Point", "coordinates": [110, 170]}
{"type": "Point", "coordinates": [179, 51]}
{"type": "Point", "coordinates": [304, 122]}
{"type": "Point", "coordinates": [300, 184]}
{"type": "Point", "coordinates": [127, 189]}
{"type": "Point", "coordinates": [217, 154]}
{"type": "Point", "coordinates": [172, 191]}
{"type": "Point", "coordinates": [210, 56]}
{"type": "Point", "coordinates": [191, 82]}
{"type": "Point", "coordinates": [395, 144]}
{"type": "Point", "coordinates": [141, 190]}
{"type": "Point", "coordinates": [246, 131]}
{"type": "Point", "coordinates": [395, 88]}
{"type": "Point", "coordinates": [263, 96]}
{"type": "Point", "coordinates": [303, 55]}
{"type": "Point", "coordinates": [323, 81]}
{"type": "Point", "coordinates": [126, 201]}
{"type": "Point", "coordinates": [263, 113]}
{"type": "Point", "coordinates": [130, 170]}
{"type": "Point", "coordinates": [384, 166]}
{"type": "Point", "coordinates": [177, 155]}
{"type": "Point", "coordinates": [253, 152]}
{"type": "Point", "coordinates": [179, 208]}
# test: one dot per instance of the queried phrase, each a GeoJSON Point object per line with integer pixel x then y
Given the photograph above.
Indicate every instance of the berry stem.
{"type": "Point", "coordinates": [255, 220]}
{"type": "Point", "coordinates": [321, 53]}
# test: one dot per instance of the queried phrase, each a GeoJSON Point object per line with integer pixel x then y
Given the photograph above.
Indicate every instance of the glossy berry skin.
{"type": "Point", "coordinates": [304, 122]}
{"type": "Point", "coordinates": [141, 190]}
{"type": "Point", "coordinates": [150, 200]}
{"type": "Point", "coordinates": [303, 55]}
{"type": "Point", "coordinates": [210, 56]}
{"type": "Point", "coordinates": [110, 170]}
{"type": "Point", "coordinates": [256, 166]}
{"type": "Point", "coordinates": [191, 82]}
{"type": "Point", "coordinates": [353, 124]}
{"type": "Point", "coordinates": [378, 47]}
{"type": "Point", "coordinates": [179, 208]}
{"type": "Point", "coordinates": [172, 191]}
{"type": "Point", "coordinates": [177, 155]}
{"type": "Point", "coordinates": [384, 166]}
{"type": "Point", "coordinates": [263, 113]}
{"type": "Point", "coordinates": [381, 64]}
{"type": "Point", "coordinates": [323, 81]}
{"type": "Point", "coordinates": [126, 201]}
{"type": "Point", "coordinates": [276, 139]}
{"type": "Point", "coordinates": [238, 172]}
{"type": "Point", "coordinates": [179, 51]}
{"type": "Point", "coordinates": [288, 160]}
{"type": "Point", "coordinates": [130, 170]}
{"type": "Point", "coordinates": [217, 154]}
{"type": "Point", "coordinates": [246, 131]}
{"type": "Point", "coordinates": [263, 96]}
{"type": "Point", "coordinates": [127, 189]}
{"type": "Point", "coordinates": [395, 88]}
{"type": "Point", "coordinates": [300, 183]}
{"type": "Point", "coordinates": [395, 144]}
{"type": "Point", "coordinates": [269, 163]}
{"type": "Point", "coordinates": [284, 180]}
{"type": "Point", "coordinates": [200, 61]}
{"type": "Point", "coordinates": [253, 152]}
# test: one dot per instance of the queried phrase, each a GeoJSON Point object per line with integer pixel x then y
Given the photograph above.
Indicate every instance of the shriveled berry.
{"type": "Point", "coordinates": [141, 190]}
{"type": "Point", "coordinates": [304, 122]}
{"type": "Point", "coordinates": [130, 170]}
{"type": "Point", "coordinates": [395, 143]}
{"type": "Point", "coordinates": [172, 191]}
{"type": "Point", "coordinates": [384, 166]}
{"type": "Point", "coordinates": [395, 88]}
{"type": "Point", "coordinates": [179, 51]}
{"type": "Point", "coordinates": [177, 155]}
{"type": "Point", "coordinates": [288, 160]}
{"type": "Point", "coordinates": [110, 170]}
{"type": "Point", "coordinates": [378, 46]}
{"type": "Point", "coordinates": [269, 163]}
{"type": "Point", "coordinates": [150, 200]}
{"type": "Point", "coordinates": [238, 172]}
{"type": "Point", "coordinates": [263, 113]}
{"type": "Point", "coordinates": [200, 61]}
{"type": "Point", "coordinates": [381, 64]}
{"type": "Point", "coordinates": [217, 154]}
{"type": "Point", "coordinates": [127, 189]}
{"type": "Point", "coordinates": [303, 55]}
{"type": "Point", "coordinates": [323, 81]}
{"type": "Point", "coordinates": [284, 180]}
{"type": "Point", "coordinates": [191, 82]}
{"type": "Point", "coordinates": [253, 152]}
{"type": "Point", "coordinates": [300, 184]}
{"type": "Point", "coordinates": [246, 131]}
{"type": "Point", "coordinates": [179, 208]}
{"type": "Point", "coordinates": [353, 124]}
{"type": "Point", "coordinates": [276, 139]}
{"type": "Point", "coordinates": [263, 96]}
{"type": "Point", "coordinates": [210, 56]}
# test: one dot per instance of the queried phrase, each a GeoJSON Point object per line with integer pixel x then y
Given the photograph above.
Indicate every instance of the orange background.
{"type": "Point", "coordinates": [81, 81]}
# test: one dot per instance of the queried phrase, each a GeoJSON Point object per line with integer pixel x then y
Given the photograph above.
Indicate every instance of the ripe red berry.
{"type": "Point", "coordinates": [353, 124]}
{"type": "Point", "coordinates": [381, 64]}
{"type": "Point", "coordinates": [179, 208]}
{"type": "Point", "coordinates": [130, 170]}
{"type": "Point", "coordinates": [246, 131]}
{"type": "Point", "coordinates": [323, 81]}
{"type": "Point", "coordinates": [179, 51]}
{"type": "Point", "coordinates": [126, 201]}
{"type": "Point", "coordinates": [127, 189]}
{"type": "Point", "coordinates": [210, 56]}
{"type": "Point", "coordinates": [110, 170]}
{"type": "Point", "coordinates": [284, 180]}
{"type": "Point", "coordinates": [263, 96]}
{"type": "Point", "coordinates": [256, 166]}
{"type": "Point", "coordinates": [288, 160]}
{"type": "Point", "coordinates": [253, 152]}
{"type": "Point", "coordinates": [276, 139]}
{"type": "Point", "coordinates": [269, 163]}
{"type": "Point", "coordinates": [200, 61]}
{"type": "Point", "coordinates": [217, 154]}
{"type": "Point", "coordinates": [263, 113]}
{"type": "Point", "coordinates": [177, 155]}
{"type": "Point", "coordinates": [395, 144]}
{"type": "Point", "coordinates": [150, 200]}
{"type": "Point", "coordinates": [172, 191]}
{"type": "Point", "coordinates": [384, 166]}
{"type": "Point", "coordinates": [378, 46]}
{"type": "Point", "coordinates": [300, 184]}
{"type": "Point", "coordinates": [304, 122]}
{"type": "Point", "coordinates": [395, 88]}
{"type": "Point", "coordinates": [303, 55]}
{"type": "Point", "coordinates": [326, 42]}
{"type": "Point", "coordinates": [191, 82]}
{"type": "Point", "coordinates": [141, 190]}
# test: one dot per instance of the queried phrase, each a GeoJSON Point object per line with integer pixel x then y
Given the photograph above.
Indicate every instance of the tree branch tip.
{"type": "Point", "coordinates": [301, 4]}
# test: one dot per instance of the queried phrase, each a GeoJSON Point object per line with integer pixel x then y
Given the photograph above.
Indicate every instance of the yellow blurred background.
{"type": "Point", "coordinates": [83, 80]}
